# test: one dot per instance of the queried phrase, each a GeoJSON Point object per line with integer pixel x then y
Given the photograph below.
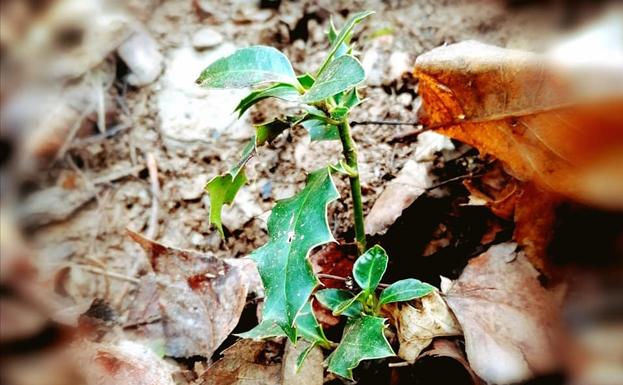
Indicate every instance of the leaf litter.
{"type": "Point", "coordinates": [185, 215]}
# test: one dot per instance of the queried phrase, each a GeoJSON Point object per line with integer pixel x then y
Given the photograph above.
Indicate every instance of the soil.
{"type": "Point", "coordinates": [92, 240]}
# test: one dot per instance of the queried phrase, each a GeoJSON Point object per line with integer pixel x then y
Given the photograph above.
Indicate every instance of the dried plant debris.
{"type": "Point", "coordinates": [505, 313]}
{"type": "Point", "coordinates": [201, 297]}
{"type": "Point", "coordinates": [552, 123]}
{"type": "Point", "coordinates": [418, 323]}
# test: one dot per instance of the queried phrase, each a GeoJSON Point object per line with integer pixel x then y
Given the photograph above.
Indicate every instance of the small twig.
{"type": "Point", "coordinates": [456, 178]}
{"type": "Point", "coordinates": [343, 279]}
{"type": "Point", "coordinates": [398, 364]}
{"type": "Point", "coordinates": [152, 167]}
{"type": "Point", "coordinates": [106, 273]}
{"type": "Point", "coordinates": [385, 123]}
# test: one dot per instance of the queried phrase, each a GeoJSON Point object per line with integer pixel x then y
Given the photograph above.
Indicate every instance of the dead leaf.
{"type": "Point", "coordinates": [559, 126]}
{"type": "Point", "coordinates": [411, 182]}
{"type": "Point", "coordinates": [310, 373]}
{"type": "Point", "coordinates": [247, 362]}
{"type": "Point", "coordinates": [417, 325]}
{"type": "Point", "coordinates": [535, 216]}
{"type": "Point", "coordinates": [510, 322]}
{"type": "Point", "coordinates": [125, 363]}
{"type": "Point", "coordinates": [447, 348]}
{"type": "Point", "coordinates": [201, 297]}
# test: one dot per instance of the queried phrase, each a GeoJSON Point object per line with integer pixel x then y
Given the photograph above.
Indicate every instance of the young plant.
{"type": "Point", "coordinates": [298, 224]}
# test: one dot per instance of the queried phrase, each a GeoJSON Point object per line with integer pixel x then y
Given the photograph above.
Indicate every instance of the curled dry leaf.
{"type": "Point", "coordinates": [125, 362]}
{"type": "Point", "coordinates": [555, 124]}
{"type": "Point", "coordinates": [201, 297]}
{"type": "Point", "coordinates": [417, 325]}
{"type": "Point", "coordinates": [411, 182]}
{"type": "Point", "coordinates": [510, 322]}
{"type": "Point", "coordinates": [247, 362]}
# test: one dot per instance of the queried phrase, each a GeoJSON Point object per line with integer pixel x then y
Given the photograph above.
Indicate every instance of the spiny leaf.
{"type": "Point", "coordinates": [333, 298]}
{"type": "Point", "coordinates": [332, 34]}
{"type": "Point", "coordinates": [306, 324]}
{"type": "Point", "coordinates": [405, 290]}
{"type": "Point", "coordinates": [248, 67]}
{"type": "Point", "coordinates": [265, 329]}
{"type": "Point", "coordinates": [320, 130]}
{"type": "Point", "coordinates": [344, 306]}
{"type": "Point", "coordinates": [295, 226]}
{"type": "Point", "coordinates": [267, 132]}
{"type": "Point", "coordinates": [341, 74]}
{"type": "Point", "coordinates": [306, 80]}
{"type": "Point", "coordinates": [309, 328]}
{"type": "Point", "coordinates": [283, 91]}
{"type": "Point", "coordinates": [301, 358]}
{"type": "Point", "coordinates": [222, 189]}
{"type": "Point", "coordinates": [342, 37]}
{"type": "Point", "coordinates": [339, 112]}
{"type": "Point", "coordinates": [369, 268]}
{"type": "Point", "coordinates": [363, 339]}
{"type": "Point", "coordinates": [348, 99]}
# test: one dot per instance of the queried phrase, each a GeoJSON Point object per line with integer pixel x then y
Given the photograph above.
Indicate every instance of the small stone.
{"type": "Point", "coordinates": [206, 38]}
{"type": "Point", "coordinates": [141, 54]}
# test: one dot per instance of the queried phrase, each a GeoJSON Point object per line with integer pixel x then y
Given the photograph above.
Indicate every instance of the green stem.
{"type": "Point", "coordinates": [350, 155]}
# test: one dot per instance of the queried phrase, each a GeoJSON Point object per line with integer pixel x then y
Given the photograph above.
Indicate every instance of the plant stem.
{"type": "Point", "coordinates": [350, 155]}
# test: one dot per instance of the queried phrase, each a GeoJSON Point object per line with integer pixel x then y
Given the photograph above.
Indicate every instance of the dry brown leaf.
{"type": "Point", "coordinates": [411, 182]}
{"type": "Point", "coordinates": [310, 373]}
{"type": "Point", "coordinates": [201, 297]}
{"type": "Point", "coordinates": [125, 363]}
{"type": "Point", "coordinates": [510, 322]}
{"type": "Point", "coordinates": [447, 348]}
{"type": "Point", "coordinates": [247, 362]}
{"type": "Point", "coordinates": [559, 126]}
{"type": "Point", "coordinates": [417, 325]}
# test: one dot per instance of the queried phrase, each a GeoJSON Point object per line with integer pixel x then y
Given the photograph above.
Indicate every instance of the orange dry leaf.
{"type": "Point", "coordinates": [556, 125]}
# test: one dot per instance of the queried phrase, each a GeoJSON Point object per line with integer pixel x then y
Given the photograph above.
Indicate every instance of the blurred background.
{"type": "Point", "coordinates": [102, 128]}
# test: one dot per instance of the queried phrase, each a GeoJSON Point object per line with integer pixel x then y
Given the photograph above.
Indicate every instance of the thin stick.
{"type": "Point", "coordinates": [384, 123]}
{"type": "Point", "coordinates": [343, 279]}
{"type": "Point", "coordinates": [152, 167]}
{"type": "Point", "coordinates": [106, 273]}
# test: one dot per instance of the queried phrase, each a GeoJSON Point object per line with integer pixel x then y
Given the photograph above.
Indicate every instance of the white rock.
{"type": "Point", "coordinates": [399, 63]}
{"type": "Point", "coordinates": [206, 38]}
{"type": "Point", "coordinates": [141, 54]}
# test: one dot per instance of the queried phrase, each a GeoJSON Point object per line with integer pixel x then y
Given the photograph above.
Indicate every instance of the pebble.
{"type": "Point", "coordinates": [206, 38]}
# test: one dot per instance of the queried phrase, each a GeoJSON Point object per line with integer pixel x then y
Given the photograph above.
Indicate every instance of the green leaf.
{"type": "Point", "coordinates": [295, 226]}
{"type": "Point", "coordinates": [265, 329]}
{"type": "Point", "coordinates": [343, 168]}
{"type": "Point", "coordinates": [306, 80]}
{"type": "Point", "coordinates": [341, 74]}
{"type": "Point", "coordinates": [339, 112]}
{"type": "Point", "coordinates": [405, 290]}
{"type": "Point", "coordinates": [346, 305]}
{"type": "Point", "coordinates": [363, 339]}
{"type": "Point", "coordinates": [222, 189]}
{"type": "Point", "coordinates": [369, 268]}
{"type": "Point", "coordinates": [248, 67]}
{"type": "Point", "coordinates": [349, 99]}
{"type": "Point", "coordinates": [341, 37]}
{"type": "Point", "coordinates": [320, 130]}
{"type": "Point", "coordinates": [267, 132]}
{"type": "Point", "coordinates": [283, 91]}
{"type": "Point", "coordinates": [343, 47]}
{"type": "Point", "coordinates": [301, 358]}
{"type": "Point", "coordinates": [309, 328]}
{"type": "Point", "coordinates": [333, 298]}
